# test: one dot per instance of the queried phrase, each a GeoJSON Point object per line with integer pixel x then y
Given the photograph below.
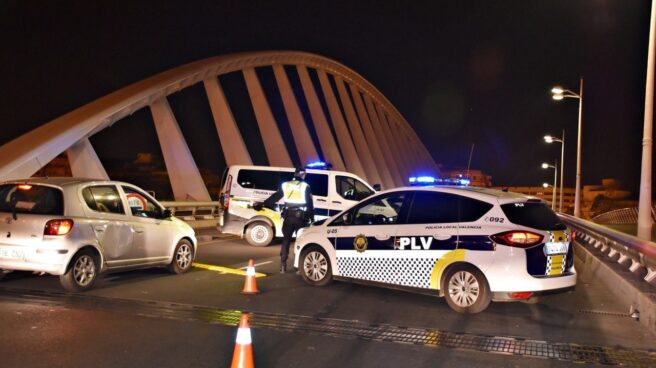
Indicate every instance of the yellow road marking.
{"type": "Point", "coordinates": [222, 269]}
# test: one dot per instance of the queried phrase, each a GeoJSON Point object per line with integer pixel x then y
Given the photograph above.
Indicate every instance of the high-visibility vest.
{"type": "Point", "coordinates": [294, 192]}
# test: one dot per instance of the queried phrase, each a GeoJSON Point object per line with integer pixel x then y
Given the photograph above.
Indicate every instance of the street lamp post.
{"type": "Point", "coordinates": [558, 94]}
{"type": "Point", "coordinates": [550, 139]}
{"type": "Point", "coordinates": [555, 185]}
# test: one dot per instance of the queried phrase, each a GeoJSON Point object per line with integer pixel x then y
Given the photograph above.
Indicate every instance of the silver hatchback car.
{"type": "Point", "coordinates": [80, 228]}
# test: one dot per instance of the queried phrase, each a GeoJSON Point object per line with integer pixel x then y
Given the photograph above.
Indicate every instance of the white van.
{"type": "Point", "coordinates": [332, 191]}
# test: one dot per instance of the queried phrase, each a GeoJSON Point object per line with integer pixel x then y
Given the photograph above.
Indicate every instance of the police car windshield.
{"type": "Point", "coordinates": [533, 214]}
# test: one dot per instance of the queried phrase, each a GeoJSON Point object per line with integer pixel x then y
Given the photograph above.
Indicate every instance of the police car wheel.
{"type": "Point", "coordinates": [466, 289]}
{"type": "Point", "coordinates": [259, 234]}
{"type": "Point", "coordinates": [315, 267]}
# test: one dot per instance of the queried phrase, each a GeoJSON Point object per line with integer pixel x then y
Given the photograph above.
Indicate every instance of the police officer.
{"type": "Point", "coordinates": [298, 210]}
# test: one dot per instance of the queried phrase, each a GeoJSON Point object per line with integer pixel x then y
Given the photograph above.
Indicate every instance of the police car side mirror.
{"type": "Point", "coordinates": [377, 187]}
{"type": "Point", "coordinates": [167, 213]}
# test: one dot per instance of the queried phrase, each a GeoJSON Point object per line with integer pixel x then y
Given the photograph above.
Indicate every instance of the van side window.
{"type": "Point", "coordinates": [318, 184]}
{"type": "Point", "coordinates": [103, 198]}
{"type": "Point", "coordinates": [351, 188]}
{"type": "Point", "coordinates": [258, 179]}
{"type": "Point", "coordinates": [433, 207]}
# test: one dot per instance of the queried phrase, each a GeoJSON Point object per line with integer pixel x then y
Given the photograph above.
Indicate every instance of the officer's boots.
{"type": "Point", "coordinates": [283, 268]}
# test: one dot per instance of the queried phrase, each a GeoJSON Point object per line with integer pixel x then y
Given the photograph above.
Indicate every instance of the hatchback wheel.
{"type": "Point", "coordinates": [259, 234]}
{"type": "Point", "coordinates": [466, 289]}
{"type": "Point", "coordinates": [315, 267]}
{"type": "Point", "coordinates": [82, 272]}
{"type": "Point", "coordinates": [183, 256]}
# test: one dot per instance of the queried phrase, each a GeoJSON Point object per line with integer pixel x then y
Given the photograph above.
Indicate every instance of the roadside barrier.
{"type": "Point", "coordinates": [243, 355]}
{"type": "Point", "coordinates": [250, 286]}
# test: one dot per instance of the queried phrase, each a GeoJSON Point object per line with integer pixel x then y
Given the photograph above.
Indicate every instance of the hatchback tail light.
{"type": "Point", "coordinates": [226, 194]}
{"type": "Point", "coordinates": [522, 295]}
{"type": "Point", "coordinates": [516, 238]}
{"type": "Point", "coordinates": [58, 227]}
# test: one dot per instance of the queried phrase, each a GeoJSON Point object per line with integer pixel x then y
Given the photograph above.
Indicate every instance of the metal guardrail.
{"type": "Point", "coordinates": [193, 211]}
{"type": "Point", "coordinates": [622, 216]}
{"type": "Point", "coordinates": [633, 252]}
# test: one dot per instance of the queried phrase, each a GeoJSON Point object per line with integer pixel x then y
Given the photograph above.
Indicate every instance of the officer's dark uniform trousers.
{"type": "Point", "coordinates": [293, 220]}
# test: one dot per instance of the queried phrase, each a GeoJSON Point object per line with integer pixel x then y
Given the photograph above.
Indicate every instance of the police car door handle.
{"type": "Point", "coordinates": [382, 237]}
{"type": "Point", "coordinates": [337, 202]}
{"type": "Point", "coordinates": [320, 200]}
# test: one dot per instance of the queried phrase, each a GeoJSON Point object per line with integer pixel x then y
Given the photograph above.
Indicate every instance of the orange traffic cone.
{"type": "Point", "coordinates": [243, 355]}
{"type": "Point", "coordinates": [250, 286]}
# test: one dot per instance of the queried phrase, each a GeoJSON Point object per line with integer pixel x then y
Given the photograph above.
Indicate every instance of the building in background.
{"type": "Point", "coordinates": [59, 166]}
{"type": "Point", "coordinates": [477, 178]}
{"type": "Point", "coordinates": [596, 199]}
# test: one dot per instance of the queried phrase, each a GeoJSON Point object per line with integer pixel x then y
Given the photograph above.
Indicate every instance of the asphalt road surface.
{"type": "Point", "coordinates": [150, 318]}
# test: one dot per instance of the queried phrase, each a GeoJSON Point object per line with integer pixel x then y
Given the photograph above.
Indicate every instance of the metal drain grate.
{"type": "Point", "coordinates": [604, 313]}
{"type": "Point", "coordinates": [351, 329]}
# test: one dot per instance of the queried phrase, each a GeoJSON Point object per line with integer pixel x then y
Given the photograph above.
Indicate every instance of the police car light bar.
{"type": "Point", "coordinates": [430, 180]}
{"type": "Point", "coordinates": [318, 165]}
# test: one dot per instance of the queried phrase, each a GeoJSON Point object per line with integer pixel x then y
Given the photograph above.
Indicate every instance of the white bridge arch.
{"type": "Point", "coordinates": [372, 139]}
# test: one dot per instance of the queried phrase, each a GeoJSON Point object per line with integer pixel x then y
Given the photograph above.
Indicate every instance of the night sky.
{"type": "Point", "coordinates": [461, 72]}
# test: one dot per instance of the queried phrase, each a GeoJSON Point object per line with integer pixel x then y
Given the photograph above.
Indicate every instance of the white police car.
{"type": "Point", "coordinates": [471, 245]}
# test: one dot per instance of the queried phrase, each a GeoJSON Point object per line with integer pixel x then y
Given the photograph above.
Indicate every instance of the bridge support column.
{"type": "Point", "coordinates": [404, 145]}
{"type": "Point", "coordinates": [392, 142]}
{"type": "Point", "coordinates": [185, 178]}
{"type": "Point", "coordinates": [84, 161]}
{"type": "Point", "coordinates": [397, 176]}
{"type": "Point", "coordinates": [326, 139]}
{"type": "Point", "coordinates": [234, 149]}
{"type": "Point", "coordinates": [351, 159]}
{"type": "Point", "coordinates": [373, 143]}
{"type": "Point", "coordinates": [304, 145]}
{"type": "Point", "coordinates": [271, 137]}
{"type": "Point", "coordinates": [356, 132]}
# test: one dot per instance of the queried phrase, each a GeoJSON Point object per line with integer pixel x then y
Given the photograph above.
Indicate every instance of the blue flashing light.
{"type": "Point", "coordinates": [430, 180]}
{"type": "Point", "coordinates": [422, 180]}
{"type": "Point", "coordinates": [318, 165]}
{"type": "Point", "coordinates": [426, 179]}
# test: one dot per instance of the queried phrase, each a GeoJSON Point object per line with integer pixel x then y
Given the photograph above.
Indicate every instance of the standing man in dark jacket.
{"type": "Point", "coordinates": [297, 211]}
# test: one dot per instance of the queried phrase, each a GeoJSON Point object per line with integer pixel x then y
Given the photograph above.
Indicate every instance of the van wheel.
{"type": "Point", "coordinates": [315, 267]}
{"type": "Point", "coordinates": [259, 234]}
{"type": "Point", "coordinates": [466, 289]}
{"type": "Point", "coordinates": [82, 272]}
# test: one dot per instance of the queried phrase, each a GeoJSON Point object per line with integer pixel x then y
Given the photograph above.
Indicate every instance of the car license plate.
{"type": "Point", "coordinates": [11, 253]}
{"type": "Point", "coordinates": [555, 248]}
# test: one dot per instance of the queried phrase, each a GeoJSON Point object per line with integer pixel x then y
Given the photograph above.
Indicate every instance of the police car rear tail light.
{"type": "Point", "coordinates": [520, 239]}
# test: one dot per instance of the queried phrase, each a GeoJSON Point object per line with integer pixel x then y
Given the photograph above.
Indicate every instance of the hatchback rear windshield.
{"type": "Point", "coordinates": [34, 199]}
{"type": "Point", "coordinates": [533, 214]}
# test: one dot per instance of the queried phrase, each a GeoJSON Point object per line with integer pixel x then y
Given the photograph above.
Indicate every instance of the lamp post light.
{"type": "Point", "coordinates": [551, 139]}
{"type": "Point", "coordinates": [560, 93]}
{"type": "Point", "coordinates": [555, 186]}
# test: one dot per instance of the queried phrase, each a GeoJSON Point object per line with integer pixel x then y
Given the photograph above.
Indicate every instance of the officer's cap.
{"type": "Point", "coordinates": [299, 171]}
